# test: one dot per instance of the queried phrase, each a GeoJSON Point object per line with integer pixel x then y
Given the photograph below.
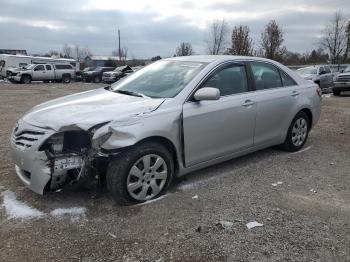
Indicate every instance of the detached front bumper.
{"type": "Point", "coordinates": [32, 166]}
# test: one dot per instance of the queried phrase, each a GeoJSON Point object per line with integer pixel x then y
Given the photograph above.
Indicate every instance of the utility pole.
{"type": "Point", "coordinates": [119, 45]}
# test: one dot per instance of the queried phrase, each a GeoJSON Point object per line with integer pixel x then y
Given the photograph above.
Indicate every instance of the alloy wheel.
{"type": "Point", "coordinates": [299, 132]}
{"type": "Point", "coordinates": [147, 177]}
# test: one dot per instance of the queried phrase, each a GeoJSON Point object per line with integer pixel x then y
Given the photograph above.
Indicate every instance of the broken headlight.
{"type": "Point", "coordinates": [55, 143]}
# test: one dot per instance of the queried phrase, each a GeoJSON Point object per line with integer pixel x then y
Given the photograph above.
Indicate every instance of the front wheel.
{"type": "Point", "coordinates": [140, 174]}
{"type": "Point", "coordinates": [298, 132]}
{"type": "Point", "coordinates": [26, 79]}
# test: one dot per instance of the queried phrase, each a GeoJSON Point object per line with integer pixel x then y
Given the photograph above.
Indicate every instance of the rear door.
{"type": "Point", "coordinates": [39, 73]}
{"type": "Point", "coordinates": [275, 96]}
{"type": "Point", "coordinates": [49, 72]}
{"type": "Point", "coordinates": [217, 128]}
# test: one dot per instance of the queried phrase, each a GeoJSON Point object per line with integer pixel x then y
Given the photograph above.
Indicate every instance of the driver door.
{"type": "Point", "coordinates": [39, 73]}
{"type": "Point", "coordinates": [213, 129]}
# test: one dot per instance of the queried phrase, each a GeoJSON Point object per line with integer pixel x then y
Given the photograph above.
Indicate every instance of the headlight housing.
{"type": "Point", "coordinates": [54, 144]}
{"type": "Point", "coordinates": [67, 142]}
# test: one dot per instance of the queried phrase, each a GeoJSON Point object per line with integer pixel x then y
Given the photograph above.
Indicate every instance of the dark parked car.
{"type": "Point", "coordinates": [96, 74]}
{"type": "Point", "coordinates": [118, 73]}
{"type": "Point", "coordinates": [79, 74]}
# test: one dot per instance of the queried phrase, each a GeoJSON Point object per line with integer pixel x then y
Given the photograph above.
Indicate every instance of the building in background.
{"type": "Point", "coordinates": [98, 60]}
{"type": "Point", "coordinates": [13, 51]}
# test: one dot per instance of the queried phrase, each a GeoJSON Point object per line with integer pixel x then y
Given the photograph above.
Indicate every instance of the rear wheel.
{"type": "Point", "coordinates": [66, 79]}
{"type": "Point", "coordinates": [298, 132]}
{"type": "Point", "coordinates": [26, 79]}
{"type": "Point", "coordinates": [140, 174]}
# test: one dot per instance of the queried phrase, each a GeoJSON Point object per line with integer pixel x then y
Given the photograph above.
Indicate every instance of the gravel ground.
{"type": "Point", "coordinates": [306, 218]}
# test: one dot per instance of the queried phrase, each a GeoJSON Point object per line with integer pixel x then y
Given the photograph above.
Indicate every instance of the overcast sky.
{"type": "Point", "coordinates": [155, 27]}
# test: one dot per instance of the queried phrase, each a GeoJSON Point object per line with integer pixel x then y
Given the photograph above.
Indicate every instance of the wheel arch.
{"type": "Point", "coordinates": [26, 75]}
{"type": "Point", "coordinates": [308, 112]}
{"type": "Point", "coordinates": [168, 144]}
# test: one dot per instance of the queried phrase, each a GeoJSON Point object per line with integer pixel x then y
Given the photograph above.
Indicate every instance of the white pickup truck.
{"type": "Point", "coordinates": [42, 72]}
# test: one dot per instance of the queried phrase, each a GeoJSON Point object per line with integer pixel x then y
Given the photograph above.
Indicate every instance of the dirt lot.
{"type": "Point", "coordinates": [306, 218]}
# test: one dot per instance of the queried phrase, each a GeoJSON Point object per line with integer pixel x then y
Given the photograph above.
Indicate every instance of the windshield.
{"type": "Point", "coordinates": [307, 71]}
{"type": "Point", "coordinates": [88, 69]}
{"type": "Point", "coordinates": [163, 79]}
{"type": "Point", "coordinates": [29, 67]}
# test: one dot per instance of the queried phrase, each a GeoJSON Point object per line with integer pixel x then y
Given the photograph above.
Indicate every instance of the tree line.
{"type": "Point", "coordinates": [334, 46]}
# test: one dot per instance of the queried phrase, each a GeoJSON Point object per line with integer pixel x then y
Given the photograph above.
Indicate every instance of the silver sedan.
{"type": "Point", "coordinates": [170, 118]}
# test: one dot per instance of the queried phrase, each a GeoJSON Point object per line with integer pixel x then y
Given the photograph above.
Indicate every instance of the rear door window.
{"type": "Point", "coordinates": [287, 80]}
{"type": "Point", "coordinates": [48, 67]}
{"type": "Point", "coordinates": [266, 76]}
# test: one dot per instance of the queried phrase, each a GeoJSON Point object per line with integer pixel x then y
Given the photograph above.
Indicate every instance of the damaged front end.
{"type": "Point", "coordinates": [68, 157]}
{"type": "Point", "coordinates": [46, 160]}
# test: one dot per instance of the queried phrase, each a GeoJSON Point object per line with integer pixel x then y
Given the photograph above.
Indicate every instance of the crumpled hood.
{"type": "Point", "coordinates": [84, 110]}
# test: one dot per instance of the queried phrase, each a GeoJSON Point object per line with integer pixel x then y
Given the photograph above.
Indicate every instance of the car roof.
{"type": "Point", "coordinates": [217, 58]}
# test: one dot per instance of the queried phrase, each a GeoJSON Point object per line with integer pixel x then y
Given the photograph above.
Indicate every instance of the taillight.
{"type": "Point", "coordinates": [319, 92]}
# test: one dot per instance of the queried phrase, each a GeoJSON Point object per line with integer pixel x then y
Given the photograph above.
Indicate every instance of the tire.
{"type": "Point", "coordinates": [97, 79]}
{"type": "Point", "coordinates": [295, 141]}
{"type": "Point", "coordinates": [26, 79]}
{"type": "Point", "coordinates": [121, 170]}
{"type": "Point", "coordinates": [336, 92]}
{"type": "Point", "coordinates": [66, 79]}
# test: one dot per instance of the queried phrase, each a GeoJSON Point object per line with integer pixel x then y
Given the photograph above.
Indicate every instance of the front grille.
{"type": "Point", "coordinates": [10, 73]}
{"type": "Point", "coordinates": [26, 138]}
{"type": "Point", "coordinates": [345, 78]}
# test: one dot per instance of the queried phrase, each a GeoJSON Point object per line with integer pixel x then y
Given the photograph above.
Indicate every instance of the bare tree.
{"type": "Point", "coordinates": [335, 39]}
{"type": "Point", "coordinates": [67, 51]}
{"type": "Point", "coordinates": [271, 41]}
{"type": "Point", "coordinates": [347, 50]}
{"type": "Point", "coordinates": [85, 52]}
{"type": "Point", "coordinates": [184, 49]}
{"type": "Point", "coordinates": [53, 53]}
{"type": "Point", "coordinates": [242, 43]}
{"type": "Point", "coordinates": [123, 55]}
{"type": "Point", "coordinates": [217, 37]}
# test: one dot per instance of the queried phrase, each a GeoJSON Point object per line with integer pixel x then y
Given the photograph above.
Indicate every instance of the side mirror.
{"type": "Point", "coordinates": [207, 93]}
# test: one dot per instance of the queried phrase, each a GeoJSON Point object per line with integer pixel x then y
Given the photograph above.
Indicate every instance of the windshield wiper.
{"type": "Point", "coordinates": [130, 93]}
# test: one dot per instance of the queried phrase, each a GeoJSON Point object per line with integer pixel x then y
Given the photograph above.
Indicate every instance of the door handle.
{"type": "Point", "coordinates": [248, 103]}
{"type": "Point", "coordinates": [295, 93]}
